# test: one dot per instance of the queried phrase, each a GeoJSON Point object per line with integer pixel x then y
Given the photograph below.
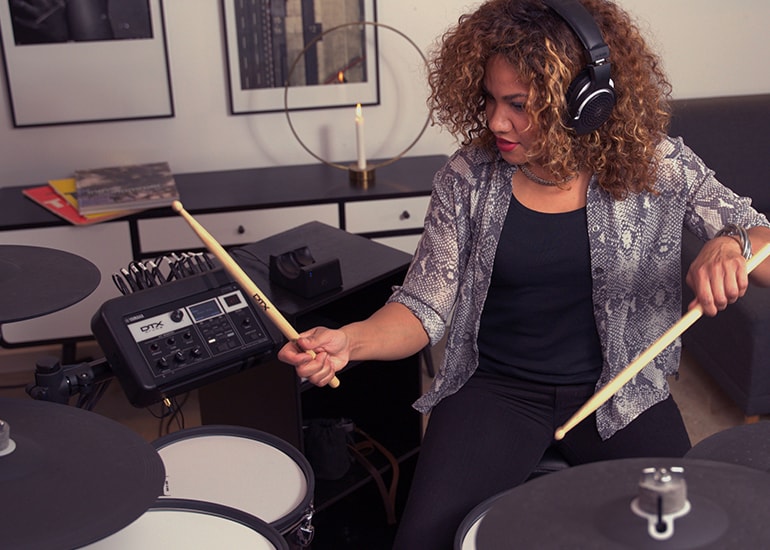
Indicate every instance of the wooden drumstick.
{"type": "Point", "coordinates": [243, 280]}
{"type": "Point", "coordinates": [614, 385]}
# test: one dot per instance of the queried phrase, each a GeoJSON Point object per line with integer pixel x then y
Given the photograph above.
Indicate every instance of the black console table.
{"type": "Point", "coordinates": [377, 396]}
{"type": "Point", "coordinates": [238, 207]}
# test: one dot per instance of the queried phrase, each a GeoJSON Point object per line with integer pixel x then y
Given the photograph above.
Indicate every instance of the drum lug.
{"type": "Point", "coordinates": [304, 534]}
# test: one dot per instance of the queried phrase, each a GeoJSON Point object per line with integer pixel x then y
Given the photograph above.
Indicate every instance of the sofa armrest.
{"type": "Point", "coordinates": [734, 346]}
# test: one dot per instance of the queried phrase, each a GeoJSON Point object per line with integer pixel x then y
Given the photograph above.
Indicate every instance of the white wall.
{"type": "Point", "coordinates": [711, 48]}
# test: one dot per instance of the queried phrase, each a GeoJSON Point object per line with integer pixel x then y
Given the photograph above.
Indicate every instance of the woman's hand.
{"type": "Point", "coordinates": [331, 354]}
{"type": "Point", "coordinates": [390, 333]}
{"type": "Point", "coordinates": [718, 275]}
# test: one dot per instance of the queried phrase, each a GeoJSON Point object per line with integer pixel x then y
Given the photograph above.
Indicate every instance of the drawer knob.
{"type": "Point", "coordinates": [241, 230]}
{"type": "Point", "coordinates": [404, 215]}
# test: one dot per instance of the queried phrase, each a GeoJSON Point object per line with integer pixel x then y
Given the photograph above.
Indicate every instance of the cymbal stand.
{"type": "Point", "coordinates": [57, 383]}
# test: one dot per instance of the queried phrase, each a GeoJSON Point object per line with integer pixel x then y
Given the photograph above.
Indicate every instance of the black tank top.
{"type": "Point", "coordinates": [538, 322]}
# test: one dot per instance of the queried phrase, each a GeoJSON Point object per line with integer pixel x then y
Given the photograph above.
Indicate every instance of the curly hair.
{"type": "Point", "coordinates": [547, 55]}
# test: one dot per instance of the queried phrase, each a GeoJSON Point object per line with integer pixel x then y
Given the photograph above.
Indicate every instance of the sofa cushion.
{"type": "Point", "coordinates": [731, 134]}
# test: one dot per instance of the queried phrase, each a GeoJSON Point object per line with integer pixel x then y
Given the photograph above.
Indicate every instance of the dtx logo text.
{"type": "Point", "coordinates": [152, 327]}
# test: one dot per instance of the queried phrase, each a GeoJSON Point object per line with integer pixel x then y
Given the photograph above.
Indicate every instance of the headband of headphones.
{"type": "Point", "coordinates": [585, 28]}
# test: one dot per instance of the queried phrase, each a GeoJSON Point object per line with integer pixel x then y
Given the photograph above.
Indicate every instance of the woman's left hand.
{"type": "Point", "coordinates": [718, 275]}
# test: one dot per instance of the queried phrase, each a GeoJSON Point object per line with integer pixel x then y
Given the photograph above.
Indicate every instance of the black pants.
{"type": "Point", "coordinates": [490, 435]}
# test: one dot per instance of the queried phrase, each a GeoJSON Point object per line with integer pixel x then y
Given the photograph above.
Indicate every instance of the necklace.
{"type": "Point", "coordinates": [537, 179]}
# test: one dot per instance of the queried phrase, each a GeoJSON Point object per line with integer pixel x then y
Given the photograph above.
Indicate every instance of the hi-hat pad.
{"type": "Point", "coordinates": [745, 445]}
{"type": "Point", "coordinates": [36, 281]}
{"type": "Point", "coordinates": [589, 506]}
{"type": "Point", "coordinates": [69, 477]}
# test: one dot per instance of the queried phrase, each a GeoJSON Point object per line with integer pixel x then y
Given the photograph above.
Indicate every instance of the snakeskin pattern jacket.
{"type": "Point", "coordinates": [635, 248]}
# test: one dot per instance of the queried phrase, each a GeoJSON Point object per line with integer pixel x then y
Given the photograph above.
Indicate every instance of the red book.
{"type": "Point", "coordinates": [46, 197]}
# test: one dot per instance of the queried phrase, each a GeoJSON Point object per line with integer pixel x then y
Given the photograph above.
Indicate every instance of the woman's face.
{"type": "Point", "coordinates": [505, 97]}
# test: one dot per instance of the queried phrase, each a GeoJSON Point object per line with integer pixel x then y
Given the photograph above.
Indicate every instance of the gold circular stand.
{"type": "Point", "coordinates": [358, 177]}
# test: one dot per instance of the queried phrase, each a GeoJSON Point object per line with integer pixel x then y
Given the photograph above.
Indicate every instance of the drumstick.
{"type": "Point", "coordinates": [614, 385]}
{"type": "Point", "coordinates": [244, 281]}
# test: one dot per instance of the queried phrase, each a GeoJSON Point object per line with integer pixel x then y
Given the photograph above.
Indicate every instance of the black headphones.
{"type": "Point", "coordinates": [591, 95]}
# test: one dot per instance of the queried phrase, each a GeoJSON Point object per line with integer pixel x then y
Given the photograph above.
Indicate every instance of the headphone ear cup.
{"type": "Point", "coordinates": [287, 265]}
{"type": "Point", "coordinates": [589, 105]}
{"type": "Point", "coordinates": [575, 92]}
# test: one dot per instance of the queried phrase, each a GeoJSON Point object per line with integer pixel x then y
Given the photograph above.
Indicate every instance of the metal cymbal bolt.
{"type": "Point", "coordinates": [7, 444]}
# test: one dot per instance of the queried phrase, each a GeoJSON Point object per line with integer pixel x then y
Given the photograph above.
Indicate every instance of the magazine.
{"type": "Point", "coordinates": [65, 188]}
{"type": "Point", "coordinates": [132, 187]}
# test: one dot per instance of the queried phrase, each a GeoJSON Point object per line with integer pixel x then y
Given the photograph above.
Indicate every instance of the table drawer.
{"type": "Point", "coordinates": [385, 215]}
{"type": "Point", "coordinates": [229, 228]}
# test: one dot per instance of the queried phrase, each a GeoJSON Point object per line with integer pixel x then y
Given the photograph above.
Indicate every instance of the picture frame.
{"type": "Point", "coordinates": [265, 50]}
{"type": "Point", "coordinates": [61, 70]}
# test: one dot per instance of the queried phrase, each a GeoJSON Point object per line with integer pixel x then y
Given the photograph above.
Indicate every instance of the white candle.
{"type": "Point", "coordinates": [360, 145]}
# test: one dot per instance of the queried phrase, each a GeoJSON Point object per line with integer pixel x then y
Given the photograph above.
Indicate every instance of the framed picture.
{"type": "Point", "coordinates": [69, 61]}
{"type": "Point", "coordinates": [327, 58]}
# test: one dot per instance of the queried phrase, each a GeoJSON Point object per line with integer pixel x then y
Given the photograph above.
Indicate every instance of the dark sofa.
{"type": "Point", "coordinates": [732, 135]}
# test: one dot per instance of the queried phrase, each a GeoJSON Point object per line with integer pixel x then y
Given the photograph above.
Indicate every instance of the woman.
{"type": "Point", "coordinates": [553, 253]}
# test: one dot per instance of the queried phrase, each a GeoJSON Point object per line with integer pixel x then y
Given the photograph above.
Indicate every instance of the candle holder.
{"type": "Point", "coordinates": [363, 178]}
{"type": "Point", "coordinates": [358, 177]}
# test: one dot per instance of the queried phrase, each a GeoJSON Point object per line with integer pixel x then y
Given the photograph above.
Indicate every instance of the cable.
{"type": "Point", "coordinates": [178, 414]}
{"type": "Point", "coordinates": [139, 275]}
{"type": "Point", "coordinates": [171, 410]}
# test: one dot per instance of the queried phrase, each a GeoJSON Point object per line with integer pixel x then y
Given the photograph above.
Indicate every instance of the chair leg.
{"type": "Point", "coordinates": [428, 358]}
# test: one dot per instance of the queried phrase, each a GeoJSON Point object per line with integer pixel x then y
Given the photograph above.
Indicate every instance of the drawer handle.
{"type": "Point", "coordinates": [241, 230]}
{"type": "Point", "coordinates": [404, 215]}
